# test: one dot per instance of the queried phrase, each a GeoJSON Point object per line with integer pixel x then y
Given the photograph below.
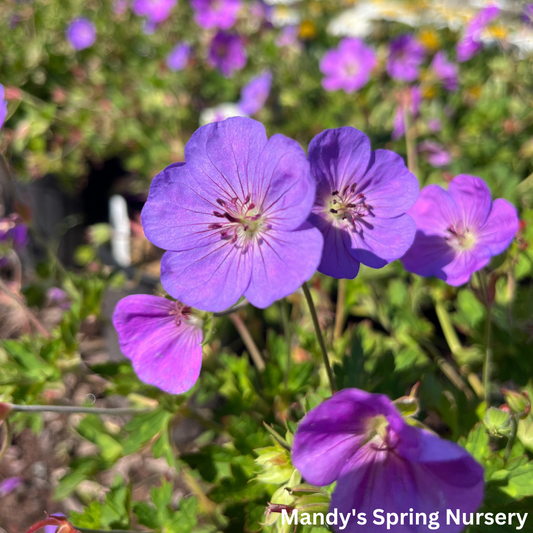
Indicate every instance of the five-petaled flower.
{"type": "Point", "coordinates": [378, 460]}
{"type": "Point", "coordinates": [81, 33]}
{"type": "Point", "coordinates": [349, 67]}
{"type": "Point", "coordinates": [361, 201]}
{"type": "Point", "coordinates": [405, 57]}
{"type": "Point", "coordinates": [162, 338]}
{"type": "Point", "coordinates": [227, 53]}
{"type": "Point", "coordinates": [233, 218]}
{"type": "Point", "coordinates": [458, 230]}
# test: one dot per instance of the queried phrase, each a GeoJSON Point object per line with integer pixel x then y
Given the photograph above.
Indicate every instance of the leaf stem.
{"type": "Point", "coordinates": [249, 342]}
{"type": "Point", "coordinates": [319, 336]}
{"type": "Point", "coordinates": [288, 337]}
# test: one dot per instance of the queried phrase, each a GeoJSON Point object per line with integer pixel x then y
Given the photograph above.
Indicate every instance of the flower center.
{"type": "Point", "coordinates": [348, 208]}
{"type": "Point", "coordinates": [240, 221]}
{"type": "Point", "coordinates": [460, 239]}
{"type": "Point", "coordinates": [379, 435]}
{"type": "Point", "coordinates": [351, 69]}
{"type": "Point", "coordinates": [180, 312]}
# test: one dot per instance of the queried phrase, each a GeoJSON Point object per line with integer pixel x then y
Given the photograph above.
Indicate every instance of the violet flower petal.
{"type": "Point", "coordinates": [165, 349]}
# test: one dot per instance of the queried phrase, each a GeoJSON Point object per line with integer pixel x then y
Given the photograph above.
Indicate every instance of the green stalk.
{"type": "Point", "coordinates": [319, 336]}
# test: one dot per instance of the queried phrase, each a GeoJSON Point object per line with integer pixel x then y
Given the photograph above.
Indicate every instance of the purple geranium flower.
{"type": "Point", "coordinates": [81, 33]}
{"type": "Point", "coordinates": [470, 44]}
{"type": "Point", "coordinates": [227, 53]}
{"type": "Point", "coordinates": [156, 11]}
{"type": "Point", "coordinates": [445, 71]}
{"type": "Point", "coordinates": [379, 461]}
{"type": "Point", "coordinates": [179, 56]}
{"type": "Point", "coordinates": [348, 67]}
{"type": "Point", "coordinates": [405, 57]}
{"type": "Point", "coordinates": [255, 93]}
{"type": "Point", "coordinates": [162, 339]}
{"type": "Point", "coordinates": [361, 200]}
{"type": "Point", "coordinates": [234, 218]}
{"type": "Point", "coordinates": [436, 155]}
{"type": "Point", "coordinates": [3, 106]}
{"type": "Point", "coordinates": [220, 14]}
{"type": "Point", "coordinates": [458, 230]}
{"type": "Point", "coordinates": [411, 100]}
{"type": "Point", "coordinates": [9, 485]}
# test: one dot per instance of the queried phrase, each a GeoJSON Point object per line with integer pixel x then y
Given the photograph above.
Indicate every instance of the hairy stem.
{"type": "Point", "coordinates": [249, 342]}
{"type": "Point", "coordinates": [339, 311]}
{"type": "Point", "coordinates": [319, 336]}
{"type": "Point", "coordinates": [75, 409]}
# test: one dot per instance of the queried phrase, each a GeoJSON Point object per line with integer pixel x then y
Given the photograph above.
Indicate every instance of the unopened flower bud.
{"type": "Point", "coordinates": [519, 403]}
{"type": "Point", "coordinates": [498, 422]}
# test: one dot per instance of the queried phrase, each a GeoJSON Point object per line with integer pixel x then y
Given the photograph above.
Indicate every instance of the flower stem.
{"type": "Point", "coordinates": [511, 440]}
{"type": "Point", "coordinates": [76, 409]}
{"type": "Point", "coordinates": [319, 335]}
{"type": "Point", "coordinates": [339, 311]}
{"type": "Point", "coordinates": [410, 141]}
{"type": "Point", "coordinates": [249, 342]}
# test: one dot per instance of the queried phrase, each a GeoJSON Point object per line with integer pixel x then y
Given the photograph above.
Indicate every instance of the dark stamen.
{"type": "Point", "coordinates": [217, 214]}
{"type": "Point", "coordinates": [221, 202]}
{"type": "Point", "coordinates": [333, 211]}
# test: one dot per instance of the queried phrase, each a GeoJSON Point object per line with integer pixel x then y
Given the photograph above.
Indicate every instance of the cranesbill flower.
{"type": "Point", "coordinates": [405, 57]}
{"type": "Point", "coordinates": [255, 93]}
{"type": "Point", "coordinates": [81, 33]}
{"type": "Point", "coordinates": [360, 204]}
{"type": "Point", "coordinates": [227, 53]}
{"type": "Point", "coordinates": [349, 67]}
{"type": "Point", "coordinates": [458, 230]}
{"type": "Point", "coordinates": [162, 339]}
{"type": "Point", "coordinates": [436, 155]}
{"type": "Point", "coordinates": [379, 461]}
{"type": "Point", "coordinates": [3, 106]}
{"type": "Point", "coordinates": [410, 100]}
{"type": "Point", "coordinates": [470, 44]}
{"type": "Point", "coordinates": [233, 218]}
{"type": "Point", "coordinates": [179, 56]}
{"type": "Point", "coordinates": [445, 71]}
{"type": "Point", "coordinates": [156, 11]}
{"type": "Point", "coordinates": [220, 14]}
